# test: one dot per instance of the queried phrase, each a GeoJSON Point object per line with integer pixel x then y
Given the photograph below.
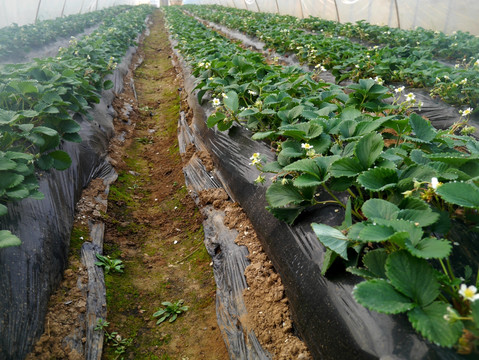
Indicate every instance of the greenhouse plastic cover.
{"type": "Point", "coordinates": [23, 12]}
{"type": "Point", "coordinates": [443, 15]}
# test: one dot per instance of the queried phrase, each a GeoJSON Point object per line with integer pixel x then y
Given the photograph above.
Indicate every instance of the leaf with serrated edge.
{"type": "Point", "coordinates": [308, 166]}
{"type": "Point", "coordinates": [347, 167]}
{"type": "Point", "coordinates": [332, 238]}
{"type": "Point", "coordinates": [378, 179]}
{"type": "Point", "coordinates": [379, 233]}
{"type": "Point", "coordinates": [459, 193]}
{"type": "Point", "coordinates": [279, 195]}
{"type": "Point", "coordinates": [378, 208]}
{"type": "Point", "coordinates": [430, 248]}
{"type": "Point", "coordinates": [7, 239]}
{"type": "Point", "coordinates": [429, 322]}
{"type": "Point", "coordinates": [422, 127]}
{"type": "Point", "coordinates": [380, 296]}
{"type": "Point", "coordinates": [368, 148]}
{"type": "Point", "coordinates": [368, 275]}
{"type": "Point", "coordinates": [231, 101]}
{"type": "Point", "coordinates": [375, 261]}
{"type": "Point", "coordinates": [413, 277]}
{"type": "Point", "coordinates": [423, 217]}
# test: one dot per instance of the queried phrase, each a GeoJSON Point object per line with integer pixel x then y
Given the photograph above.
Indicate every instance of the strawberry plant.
{"type": "Point", "coordinates": [38, 100]}
{"type": "Point", "coordinates": [401, 61]}
{"type": "Point", "coordinates": [16, 40]}
{"type": "Point", "coordinates": [401, 182]}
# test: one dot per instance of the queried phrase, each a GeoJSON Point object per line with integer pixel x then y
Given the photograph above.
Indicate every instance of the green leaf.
{"type": "Point", "coordinates": [364, 273]}
{"type": "Point", "coordinates": [430, 248]}
{"type": "Point", "coordinates": [423, 217]}
{"type": "Point", "coordinates": [307, 180]}
{"type": "Point", "coordinates": [37, 195]}
{"type": "Point", "coordinates": [332, 238]}
{"type": "Point", "coordinates": [347, 128]}
{"type": "Point", "coordinates": [418, 172]}
{"type": "Point", "coordinates": [378, 208]}
{"type": "Point", "coordinates": [307, 166]}
{"type": "Point", "coordinates": [69, 126]}
{"type": "Point", "coordinates": [413, 277]}
{"type": "Point", "coordinates": [375, 261]}
{"type": "Point", "coordinates": [72, 137]}
{"type": "Point", "coordinates": [368, 149]}
{"type": "Point", "coordinates": [224, 125]}
{"type": "Point", "coordinates": [262, 135]}
{"type": "Point", "coordinates": [3, 210]}
{"type": "Point", "coordinates": [18, 193]}
{"type": "Point", "coordinates": [108, 84]}
{"type": "Point", "coordinates": [248, 112]}
{"type": "Point", "coordinates": [475, 311]}
{"type": "Point", "coordinates": [295, 112]}
{"type": "Point", "coordinates": [9, 179]}
{"type": "Point", "coordinates": [214, 118]}
{"type": "Point", "coordinates": [7, 239]}
{"type": "Point", "coordinates": [348, 167]}
{"type": "Point", "coordinates": [429, 322]}
{"type": "Point", "coordinates": [61, 160]}
{"type": "Point", "coordinates": [301, 131]}
{"type": "Point", "coordinates": [288, 215]}
{"type": "Point", "coordinates": [378, 179]}
{"type": "Point", "coordinates": [279, 195]}
{"type": "Point", "coordinates": [455, 159]}
{"type": "Point", "coordinates": [231, 101]}
{"type": "Point", "coordinates": [329, 257]}
{"type": "Point", "coordinates": [18, 155]}
{"type": "Point", "coordinates": [422, 127]}
{"type": "Point", "coordinates": [7, 164]}
{"type": "Point", "coordinates": [379, 233]}
{"type": "Point", "coordinates": [45, 162]}
{"type": "Point", "coordinates": [44, 130]}
{"type": "Point", "coordinates": [380, 296]}
{"type": "Point", "coordinates": [459, 193]}
{"type": "Point", "coordinates": [291, 149]}
{"type": "Point", "coordinates": [8, 116]}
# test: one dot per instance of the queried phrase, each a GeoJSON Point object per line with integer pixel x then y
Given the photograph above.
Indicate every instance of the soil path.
{"type": "Point", "coordinates": [154, 226]}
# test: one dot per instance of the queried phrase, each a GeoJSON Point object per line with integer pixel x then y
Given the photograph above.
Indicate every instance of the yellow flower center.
{"type": "Point", "coordinates": [468, 293]}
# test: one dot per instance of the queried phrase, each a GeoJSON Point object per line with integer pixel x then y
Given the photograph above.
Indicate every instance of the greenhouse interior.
{"type": "Point", "coordinates": [239, 179]}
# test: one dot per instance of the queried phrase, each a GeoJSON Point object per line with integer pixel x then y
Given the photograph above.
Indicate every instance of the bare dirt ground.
{"type": "Point", "coordinates": [155, 228]}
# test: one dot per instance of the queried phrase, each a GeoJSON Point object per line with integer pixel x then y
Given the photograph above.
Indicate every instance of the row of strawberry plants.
{"type": "Point", "coordinates": [456, 47]}
{"type": "Point", "coordinates": [16, 40]}
{"type": "Point", "coordinates": [38, 101]}
{"type": "Point", "coordinates": [406, 182]}
{"type": "Point", "coordinates": [347, 59]}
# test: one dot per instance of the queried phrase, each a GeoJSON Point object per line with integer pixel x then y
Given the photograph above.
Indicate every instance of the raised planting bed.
{"type": "Point", "coordinates": [55, 115]}
{"type": "Point", "coordinates": [376, 184]}
{"type": "Point", "coordinates": [349, 59]}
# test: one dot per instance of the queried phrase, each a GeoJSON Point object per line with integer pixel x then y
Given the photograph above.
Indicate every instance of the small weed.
{"type": "Point", "coordinates": [109, 264]}
{"type": "Point", "coordinates": [114, 338]}
{"type": "Point", "coordinates": [144, 140]}
{"type": "Point", "coordinates": [172, 310]}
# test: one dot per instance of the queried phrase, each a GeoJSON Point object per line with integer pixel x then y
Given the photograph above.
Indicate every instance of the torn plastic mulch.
{"type": "Point", "coordinates": [229, 259]}
{"type": "Point", "coordinates": [325, 314]}
{"type": "Point", "coordinates": [30, 272]}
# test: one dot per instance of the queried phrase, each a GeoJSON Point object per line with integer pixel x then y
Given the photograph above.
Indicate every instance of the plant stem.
{"type": "Point", "coordinates": [444, 268]}
{"type": "Point", "coordinates": [352, 194]}
{"type": "Point", "coordinates": [333, 196]}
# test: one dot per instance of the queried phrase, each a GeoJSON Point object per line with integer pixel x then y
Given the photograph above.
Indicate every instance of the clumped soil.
{"type": "Point", "coordinates": [155, 228]}
{"type": "Point", "coordinates": [268, 312]}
